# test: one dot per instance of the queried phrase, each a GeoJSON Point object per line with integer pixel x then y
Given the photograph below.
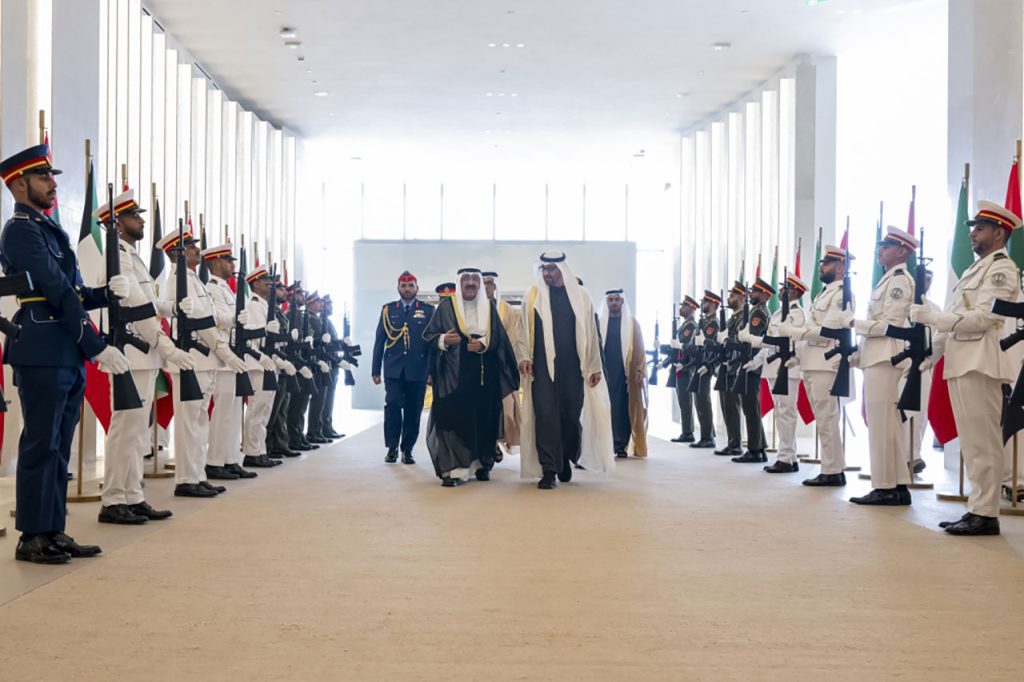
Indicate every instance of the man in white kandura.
{"type": "Point", "coordinates": [566, 412]}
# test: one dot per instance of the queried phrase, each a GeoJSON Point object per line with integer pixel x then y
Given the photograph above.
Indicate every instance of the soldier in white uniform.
{"type": "Point", "coordinates": [818, 373]}
{"type": "Point", "coordinates": [128, 436]}
{"type": "Point", "coordinates": [191, 421]}
{"type": "Point", "coordinates": [224, 457]}
{"type": "Point", "coordinates": [889, 305]}
{"type": "Point", "coordinates": [975, 368]}
{"type": "Point", "coordinates": [257, 415]}
{"type": "Point", "coordinates": [785, 404]}
{"type": "Point", "coordinates": [919, 420]}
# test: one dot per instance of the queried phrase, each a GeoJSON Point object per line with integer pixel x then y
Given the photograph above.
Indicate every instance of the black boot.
{"type": "Point", "coordinates": [392, 456]}
{"type": "Point", "coordinates": [547, 481]}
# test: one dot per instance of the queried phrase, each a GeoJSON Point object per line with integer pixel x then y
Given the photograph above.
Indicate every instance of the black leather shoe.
{"type": "Point", "coordinates": [827, 480]}
{"type": "Point", "coordinates": [299, 447]}
{"type": "Point", "coordinates": [392, 456]}
{"type": "Point", "coordinates": [319, 440]}
{"type": "Point", "coordinates": [219, 473]}
{"type": "Point", "coordinates": [310, 445]}
{"type": "Point", "coordinates": [751, 457]}
{"type": "Point", "coordinates": [565, 475]}
{"type": "Point", "coordinates": [887, 497]}
{"type": "Point", "coordinates": [448, 482]}
{"type": "Point", "coordinates": [237, 470]}
{"type": "Point", "coordinates": [335, 435]}
{"type": "Point", "coordinates": [547, 482]}
{"type": "Point", "coordinates": [947, 524]}
{"type": "Point", "coordinates": [407, 458]}
{"type": "Point", "coordinates": [498, 455]}
{"type": "Point", "coordinates": [275, 455]}
{"type": "Point", "coordinates": [291, 453]}
{"type": "Point", "coordinates": [483, 475]}
{"type": "Point", "coordinates": [67, 544]}
{"type": "Point", "coordinates": [621, 454]}
{"type": "Point", "coordinates": [39, 550]}
{"type": "Point", "coordinates": [683, 438]}
{"type": "Point", "coordinates": [703, 444]}
{"type": "Point", "coordinates": [973, 524]}
{"type": "Point", "coordinates": [259, 462]}
{"type": "Point", "coordinates": [193, 490]}
{"type": "Point", "coordinates": [215, 488]}
{"type": "Point", "coordinates": [904, 493]}
{"type": "Point", "coordinates": [919, 466]}
{"type": "Point", "coordinates": [143, 509]}
{"type": "Point", "coordinates": [729, 452]}
{"type": "Point", "coordinates": [120, 514]}
{"type": "Point", "coordinates": [1008, 494]}
{"type": "Point", "coordinates": [780, 467]}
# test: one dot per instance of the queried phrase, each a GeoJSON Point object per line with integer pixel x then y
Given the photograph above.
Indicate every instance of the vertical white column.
{"type": "Point", "coordinates": [814, 162]}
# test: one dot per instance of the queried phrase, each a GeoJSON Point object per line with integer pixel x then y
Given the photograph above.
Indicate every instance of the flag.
{"type": "Point", "coordinates": [157, 268]}
{"type": "Point", "coordinates": [940, 410]}
{"type": "Point", "coordinates": [156, 255]}
{"type": "Point", "coordinates": [54, 211]}
{"type": "Point", "coordinates": [765, 396]}
{"type": "Point", "coordinates": [204, 272]}
{"type": "Point", "coordinates": [816, 285]}
{"type": "Point", "coordinates": [774, 304]}
{"type": "Point", "coordinates": [877, 271]}
{"type": "Point", "coordinates": [799, 247]}
{"type": "Point", "coordinates": [757, 272]}
{"type": "Point", "coordinates": [912, 261]}
{"type": "Point", "coordinates": [1016, 245]}
{"type": "Point", "coordinates": [803, 405]}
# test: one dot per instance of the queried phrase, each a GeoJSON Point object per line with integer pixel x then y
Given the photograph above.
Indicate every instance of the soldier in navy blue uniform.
{"type": "Point", "coordinates": [401, 351]}
{"type": "Point", "coordinates": [47, 356]}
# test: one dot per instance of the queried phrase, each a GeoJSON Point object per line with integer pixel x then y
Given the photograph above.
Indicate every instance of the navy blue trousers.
{"type": "Point", "coordinates": [51, 400]}
{"type": "Point", "coordinates": [403, 407]}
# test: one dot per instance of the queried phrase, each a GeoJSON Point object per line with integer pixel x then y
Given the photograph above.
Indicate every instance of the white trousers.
{"type": "Point", "coordinates": [192, 430]}
{"type": "Point", "coordinates": [254, 432]}
{"type": "Point", "coordinates": [128, 439]}
{"type": "Point", "coordinates": [886, 436]}
{"type": "Point", "coordinates": [977, 404]}
{"type": "Point", "coordinates": [786, 420]}
{"type": "Point", "coordinates": [826, 417]}
{"type": "Point", "coordinates": [225, 422]}
{"type": "Point", "coordinates": [920, 419]}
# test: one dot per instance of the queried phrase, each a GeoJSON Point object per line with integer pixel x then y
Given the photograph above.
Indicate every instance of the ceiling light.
{"type": "Point", "coordinates": [512, 94]}
{"type": "Point", "coordinates": [287, 33]}
{"type": "Point", "coordinates": [301, 58]}
{"type": "Point", "coordinates": [492, 44]}
{"type": "Point", "coordinates": [320, 93]}
{"type": "Point", "coordinates": [681, 95]}
{"type": "Point", "coordinates": [718, 47]}
{"type": "Point", "coordinates": [331, 114]}
{"type": "Point", "coordinates": [506, 45]}
{"type": "Point", "coordinates": [501, 94]}
{"type": "Point", "coordinates": [490, 94]}
{"type": "Point", "coordinates": [293, 44]}
{"type": "Point", "coordinates": [309, 70]}
{"type": "Point", "coordinates": [520, 45]}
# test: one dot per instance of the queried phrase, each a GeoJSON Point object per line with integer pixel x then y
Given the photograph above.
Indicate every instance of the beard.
{"type": "Point", "coordinates": [41, 199]}
{"type": "Point", "coordinates": [827, 277]}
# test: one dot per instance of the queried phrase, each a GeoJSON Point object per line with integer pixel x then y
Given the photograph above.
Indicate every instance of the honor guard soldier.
{"type": "Point", "coordinates": [224, 456]}
{"type": "Point", "coordinates": [819, 373]}
{"type": "Point", "coordinates": [128, 436]}
{"type": "Point", "coordinates": [707, 341]}
{"type": "Point", "coordinates": [400, 359]}
{"type": "Point", "coordinates": [784, 397]}
{"type": "Point", "coordinates": [683, 343]}
{"type": "Point", "coordinates": [257, 415]}
{"type": "Point", "coordinates": [889, 305]}
{"type": "Point", "coordinates": [298, 312]}
{"type": "Point", "coordinates": [750, 397]}
{"type": "Point", "coordinates": [318, 399]}
{"type": "Point", "coordinates": [277, 426]}
{"type": "Point", "coordinates": [728, 400]}
{"type": "Point", "coordinates": [976, 369]}
{"type": "Point", "coordinates": [47, 357]}
{"type": "Point", "coordinates": [330, 339]}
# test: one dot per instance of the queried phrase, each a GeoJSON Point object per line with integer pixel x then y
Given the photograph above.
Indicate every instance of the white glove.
{"type": "Point", "coordinates": [308, 341]}
{"type": "Point", "coordinates": [792, 362]}
{"type": "Point", "coordinates": [306, 374]}
{"type": "Point", "coordinates": [112, 361]}
{"type": "Point", "coordinates": [744, 336]}
{"type": "Point", "coordinates": [187, 305]}
{"type": "Point", "coordinates": [346, 365]}
{"type": "Point", "coordinates": [274, 327]}
{"type": "Point", "coordinates": [234, 363]}
{"type": "Point", "coordinates": [119, 286]}
{"type": "Point", "coordinates": [677, 366]}
{"type": "Point", "coordinates": [927, 364]}
{"type": "Point", "coordinates": [922, 313]}
{"type": "Point", "coordinates": [295, 335]}
{"type": "Point", "coordinates": [242, 317]}
{"type": "Point", "coordinates": [323, 366]}
{"type": "Point", "coordinates": [855, 359]}
{"type": "Point", "coordinates": [326, 338]}
{"type": "Point", "coordinates": [723, 337]}
{"type": "Point", "coordinates": [674, 344]}
{"type": "Point", "coordinates": [267, 363]}
{"type": "Point", "coordinates": [703, 370]}
{"type": "Point", "coordinates": [348, 340]}
{"type": "Point", "coordinates": [698, 340]}
{"type": "Point", "coordinates": [751, 366]}
{"type": "Point", "coordinates": [285, 366]}
{"type": "Point", "coordinates": [179, 359]}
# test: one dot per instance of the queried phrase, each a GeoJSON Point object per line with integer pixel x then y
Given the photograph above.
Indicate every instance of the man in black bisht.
{"type": "Point", "coordinates": [473, 369]}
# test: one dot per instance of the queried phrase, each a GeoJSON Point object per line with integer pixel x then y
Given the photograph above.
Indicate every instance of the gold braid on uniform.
{"type": "Point", "coordinates": [394, 334]}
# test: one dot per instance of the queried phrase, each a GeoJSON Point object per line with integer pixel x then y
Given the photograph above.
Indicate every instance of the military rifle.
{"type": "Point", "coordinates": [783, 344]}
{"type": "Point", "coordinates": [917, 338]}
{"type": "Point", "coordinates": [721, 353]}
{"type": "Point", "coordinates": [1013, 309]}
{"type": "Point", "coordinates": [119, 318]}
{"type": "Point", "coordinates": [240, 344]}
{"type": "Point", "coordinates": [845, 347]}
{"type": "Point", "coordinates": [187, 327]}
{"type": "Point", "coordinates": [277, 344]}
{"type": "Point", "coordinates": [350, 352]}
{"type": "Point", "coordinates": [739, 352]}
{"type": "Point", "coordinates": [14, 285]}
{"type": "Point", "coordinates": [655, 356]}
{"type": "Point", "coordinates": [671, 354]}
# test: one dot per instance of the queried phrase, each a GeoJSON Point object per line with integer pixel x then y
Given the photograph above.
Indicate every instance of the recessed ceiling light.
{"type": "Point", "coordinates": [501, 94]}
{"type": "Point", "coordinates": [309, 70]}
{"type": "Point", "coordinates": [520, 45]}
{"type": "Point", "coordinates": [492, 44]}
{"type": "Point", "coordinates": [293, 44]}
{"type": "Point", "coordinates": [331, 114]}
{"type": "Point", "coordinates": [490, 94]}
{"type": "Point", "coordinates": [301, 58]}
{"type": "Point", "coordinates": [718, 47]}
{"type": "Point", "coordinates": [287, 32]}
{"type": "Point", "coordinates": [681, 95]}
{"type": "Point", "coordinates": [512, 94]}
{"type": "Point", "coordinates": [506, 45]}
{"type": "Point", "coordinates": [320, 93]}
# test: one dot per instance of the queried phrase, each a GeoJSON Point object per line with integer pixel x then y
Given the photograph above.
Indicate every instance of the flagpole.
{"type": "Point", "coordinates": [1015, 508]}
{"type": "Point", "coordinates": [124, 175]}
{"type": "Point", "coordinates": [42, 126]}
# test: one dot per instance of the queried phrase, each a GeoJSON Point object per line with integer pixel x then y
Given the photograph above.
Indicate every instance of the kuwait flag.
{"type": "Point", "coordinates": [93, 268]}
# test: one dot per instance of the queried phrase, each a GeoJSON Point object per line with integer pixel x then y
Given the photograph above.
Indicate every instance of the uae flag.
{"type": "Point", "coordinates": [93, 268]}
{"type": "Point", "coordinates": [803, 401]}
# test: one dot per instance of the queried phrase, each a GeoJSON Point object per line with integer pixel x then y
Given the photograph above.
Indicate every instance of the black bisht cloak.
{"type": "Point", "coordinates": [468, 388]}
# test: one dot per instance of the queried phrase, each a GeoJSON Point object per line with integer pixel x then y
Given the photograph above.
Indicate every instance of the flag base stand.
{"type": "Point", "coordinates": [853, 468]}
{"type": "Point", "coordinates": [80, 496]}
{"type": "Point", "coordinates": [958, 496]}
{"type": "Point", "coordinates": [921, 485]}
{"type": "Point", "coordinates": [85, 498]}
{"type": "Point", "coordinates": [169, 466]}
{"type": "Point", "coordinates": [807, 459]}
{"type": "Point", "coordinates": [1011, 511]}
{"type": "Point", "coordinates": [864, 476]}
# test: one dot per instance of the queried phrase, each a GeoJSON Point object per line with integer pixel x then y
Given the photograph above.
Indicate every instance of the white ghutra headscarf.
{"type": "Point", "coordinates": [482, 327]}
{"type": "Point", "coordinates": [625, 328]}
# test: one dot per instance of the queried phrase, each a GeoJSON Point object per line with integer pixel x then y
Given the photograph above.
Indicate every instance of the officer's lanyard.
{"type": "Point", "coordinates": [394, 334]}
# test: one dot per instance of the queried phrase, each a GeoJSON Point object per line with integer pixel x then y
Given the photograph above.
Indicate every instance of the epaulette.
{"type": "Point", "coordinates": [121, 247]}
{"type": "Point", "coordinates": [255, 299]}
{"type": "Point", "coordinates": [999, 256]}
{"type": "Point", "coordinates": [19, 216]}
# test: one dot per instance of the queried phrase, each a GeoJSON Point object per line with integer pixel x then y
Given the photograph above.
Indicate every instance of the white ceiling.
{"type": "Point", "coordinates": [422, 68]}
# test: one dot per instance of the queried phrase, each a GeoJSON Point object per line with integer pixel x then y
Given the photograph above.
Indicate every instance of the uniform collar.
{"type": "Point", "coordinates": [981, 262]}
{"type": "Point", "coordinates": [214, 278]}
{"type": "Point", "coordinates": [34, 214]}
{"type": "Point", "coordinates": [127, 247]}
